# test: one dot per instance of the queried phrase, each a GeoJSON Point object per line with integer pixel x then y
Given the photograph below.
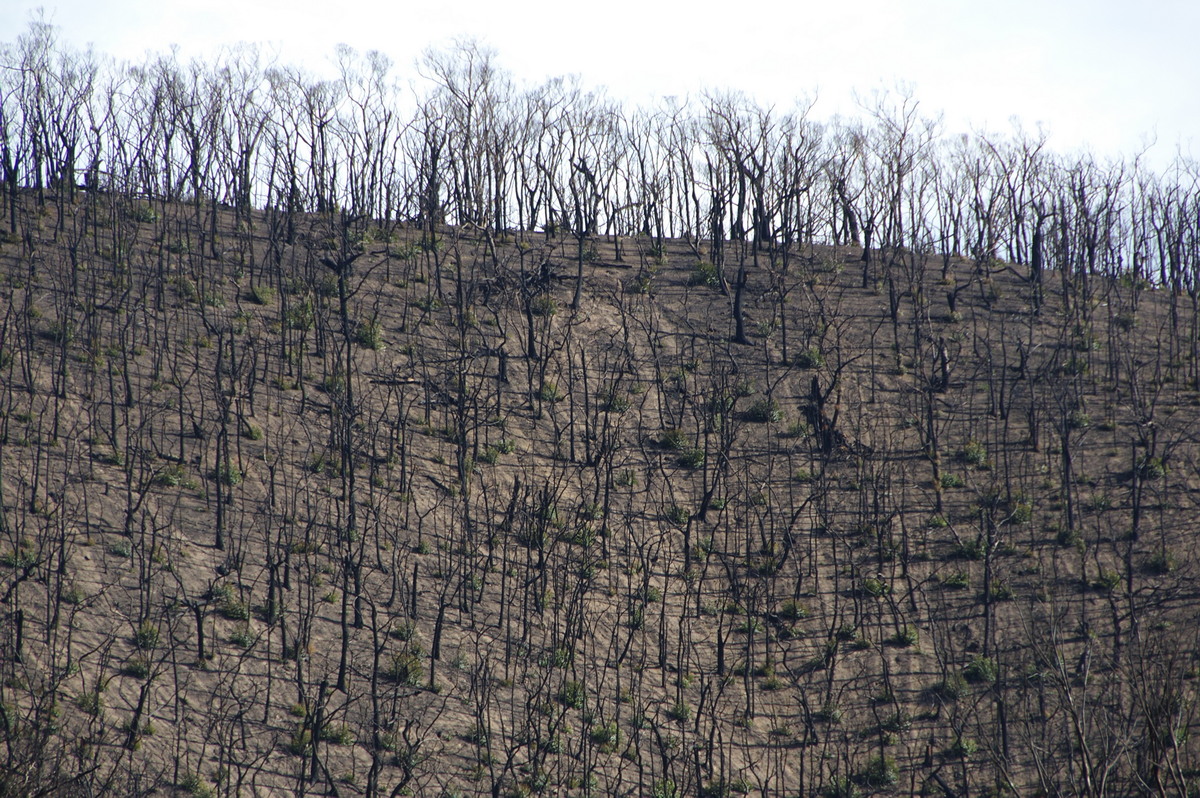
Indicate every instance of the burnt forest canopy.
{"type": "Point", "coordinates": [434, 435]}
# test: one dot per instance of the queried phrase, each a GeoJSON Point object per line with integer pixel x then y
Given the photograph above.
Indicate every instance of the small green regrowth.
{"type": "Point", "coordinates": [146, 637]}
{"type": "Point", "coordinates": [763, 411]}
{"type": "Point", "coordinates": [981, 670]}
{"type": "Point", "coordinates": [973, 453]}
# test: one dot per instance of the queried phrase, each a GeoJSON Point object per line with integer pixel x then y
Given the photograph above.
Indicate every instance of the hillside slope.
{"type": "Point", "coordinates": [306, 505]}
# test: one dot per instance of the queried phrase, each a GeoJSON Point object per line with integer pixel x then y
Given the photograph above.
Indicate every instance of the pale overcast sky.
{"type": "Point", "coordinates": [1102, 74]}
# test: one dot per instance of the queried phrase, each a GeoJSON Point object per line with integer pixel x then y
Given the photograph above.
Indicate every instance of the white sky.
{"type": "Point", "coordinates": [1099, 74]}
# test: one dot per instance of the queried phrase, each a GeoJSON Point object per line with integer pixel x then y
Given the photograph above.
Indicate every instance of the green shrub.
{"type": "Point", "coordinates": [873, 587]}
{"type": "Point", "coordinates": [327, 286]}
{"type": "Point", "coordinates": [20, 557]}
{"type": "Point", "coordinates": [973, 453]}
{"type": "Point", "coordinates": [613, 401]}
{"type": "Point", "coordinates": [300, 316]}
{"type": "Point", "coordinates": [798, 429]}
{"type": "Point", "coordinates": [478, 734]}
{"type": "Point", "coordinates": [146, 636]}
{"type": "Point", "coordinates": [763, 411]}
{"type": "Point", "coordinates": [195, 786]}
{"type": "Point", "coordinates": [981, 670]}
{"type": "Point", "coordinates": [1108, 581]}
{"type": "Point", "coordinates": [174, 476]}
{"type": "Point", "coordinates": [429, 304]}
{"type": "Point", "coordinates": [91, 703]}
{"type": "Point", "coordinates": [810, 358]}
{"type": "Point", "coordinates": [972, 548]}
{"type": "Point", "coordinates": [706, 274]}
{"type": "Point", "coordinates": [654, 250]}
{"type": "Point", "coordinates": [143, 213]}
{"type": "Point", "coordinates": [680, 711]}
{"type": "Point", "coordinates": [828, 713]}
{"type": "Point", "coordinates": [952, 481]}
{"type": "Point", "coordinates": [242, 636]}
{"type": "Point", "coordinates": [1064, 536]}
{"type": "Point", "coordinates": [607, 736]}
{"type": "Point", "coordinates": [958, 580]}
{"type": "Point", "coordinates": [692, 458]}
{"type": "Point", "coordinates": [405, 667]}
{"type": "Point", "coordinates": [187, 290]}
{"type": "Point", "coordinates": [744, 388]}
{"type": "Point", "coordinates": [641, 283]}
{"type": "Point", "coordinates": [60, 332]}
{"type": "Point", "coordinates": [907, 636]}
{"type": "Point", "coordinates": [338, 735]}
{"type": "Point", "coordinates": [952, 688]}
{"type": "Point", "coordinates": [573, 695]}
{"type": "Point", "coordinates": [137, 666]}
{"type": "Point", "coordinates": [533, 535]}
{"type": "Point", "coordinates": [228, 603]}
{"type": "Point", "coordinates": [964, 747]}
{"type": "Point", "coordinates": [490, 455]}
{"type": "Point", "coordinates": [591, 511]}
{"type": "Point", "coordinates": [262, 294]}
{"type": "Point", "coordinates": [334, 384]}
{"type": "Point", "coordinates": [881, 771]}
{"type": "Point", "coordinates": [1152, 468]}
{"type": "Point", "coordinates": [840, 787]}
{"type": "Point", "coordinates": [1161, 563]}
{"type": "Point", "coordinates": [543, 305]}
{"type": "Point", "coordinates": [677, 515]}
{"type": "Point", "coordinates": [665, 788]}
{"type": "Point", "coordinates": [369, 334]}
{"type": "Point", "coordinates": [1001, 591]}
{"type": "Point", "coordinates": [793, 610]}
{"type": "Point", "coordinates": [750, 626]}
{"type": "Point", "coordinates": [549, 392]}
{"type": "Point", "coordinates": [675, 439]}
{"type": "Point", "coordinates": [228, 474]}
{"type": "Point", "coordinates": [407, 251]}
{"type": "Point", "coordinates": [301, 742]}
